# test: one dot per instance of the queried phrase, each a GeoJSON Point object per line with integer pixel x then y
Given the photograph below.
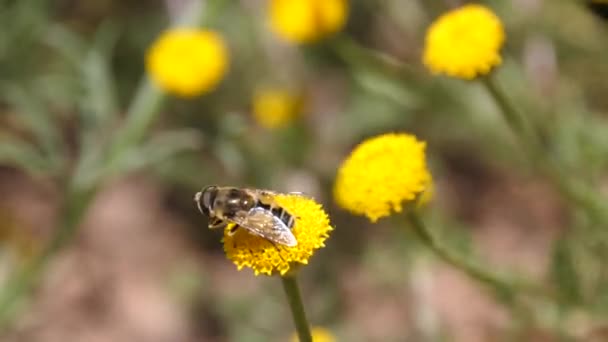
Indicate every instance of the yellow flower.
{"type": "Point", "coordinates": [311, 229]}
{"type": "Point", "coordinates": [275, 108]}
{"type": "Point", "coordinates": [381, 174]}
{"type": "Point", "coordinates": [187, 62]}
{"type": "Point", "coordinates": [318, 335]}
{"type": "Point", "coordinates": [305, 21]}
{"type": "Point", "coordinates": [464, 43]}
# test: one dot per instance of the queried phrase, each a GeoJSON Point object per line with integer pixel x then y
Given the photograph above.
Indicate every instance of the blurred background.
{"type": "Point", "coordinates": [95, 248]}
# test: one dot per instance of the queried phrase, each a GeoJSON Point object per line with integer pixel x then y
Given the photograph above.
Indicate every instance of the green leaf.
{"type": "Point", "coordinates": [100, 106]}
{"type": "Point", "coordinates": [35, 117]}
{"type": "Point", "coordinates": [564, 274]}
{"type": "Point", "coordinates": [23, 22]}
{"type": "Point", "coordinates": [19, 154]}
{"type": "Point", "coordinates": [67, 43]}
{"type": "Point", "coordinates": [160, 147]}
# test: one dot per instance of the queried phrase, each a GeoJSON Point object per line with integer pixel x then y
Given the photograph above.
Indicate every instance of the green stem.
{"type": "Point", "coordinates": [510, 114]}
{"type": "Point", "coordinates": [290, 285]}
{"type": "Point", "coordinates": [572, 188]}
{"type": "Point", "coordinates": [579, 193]}
{"type": "Point", "coordinates": [149, 98]}
{"type": "Point", "coordinates": [140, 115]}
{"type": "Point", "coordinates": [502, 287]}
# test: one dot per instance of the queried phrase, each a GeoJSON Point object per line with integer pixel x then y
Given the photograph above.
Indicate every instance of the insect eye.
{"type": "Point", "coordinates": [204, 209]}
{"type": "Point", "coordinates": [209, 195]}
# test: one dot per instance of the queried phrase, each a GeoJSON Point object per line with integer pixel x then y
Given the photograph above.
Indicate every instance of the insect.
{"type": "Point", "coordinates": [252, 209]}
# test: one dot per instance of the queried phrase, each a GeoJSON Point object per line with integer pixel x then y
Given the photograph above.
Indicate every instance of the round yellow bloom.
{"type": "Point", "coordinates": [464, 43]}
{"type": "Point", "coordinates": [187, 62]}
{"type": "Point", "coordinates": [305, 21]}
{"type": "Point", "coordinates": [382, 173]}
{"type": "Point", "coordinates": [275, 108]}
{"type": "Point", "coordinates": [311, 229]}
{"type": "Point", "coordinates": [318, 335]}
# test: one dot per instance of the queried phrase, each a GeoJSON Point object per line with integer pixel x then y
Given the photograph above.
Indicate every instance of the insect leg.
{"type": "Point", "coordinates": [232, 230]}
{"type": "Point", "coordinates": [216, 223]}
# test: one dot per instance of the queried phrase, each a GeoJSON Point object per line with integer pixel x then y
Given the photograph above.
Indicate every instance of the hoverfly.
{"type": "Point", "coordinates": [252, 209]}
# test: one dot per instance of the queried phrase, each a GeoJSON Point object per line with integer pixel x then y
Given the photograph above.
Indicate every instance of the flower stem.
{"type": "Point", "coordinates": [502, 287]}
{"type": "Point", "coordinates": [140, 115]}
{"type": "Point", "coordinates": [290, 285]}
{"type": "Point", "coordinates": [577, 192]}
{"type": "Point", "coordinates": [510, 114]}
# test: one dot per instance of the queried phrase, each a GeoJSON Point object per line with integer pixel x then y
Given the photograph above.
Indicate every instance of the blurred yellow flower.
{"type": "Point", "coordinates": [381, 174]}
{"type": "Point", "coordinates": [275, 108]}
{"type": "Point", "coordinates": [311, 230]}
{"type": "Point", "coordinates": [187, 62]}
{"type": "Point", "coordinates": [319, 334]}
{"type": "Point", "coordinates": [464, 43]}
{"type": "Point", "coordinates": [305, 21]}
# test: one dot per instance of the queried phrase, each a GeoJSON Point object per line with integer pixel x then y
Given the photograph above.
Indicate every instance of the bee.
{"type": "Point", "coordinates": [251, 209]}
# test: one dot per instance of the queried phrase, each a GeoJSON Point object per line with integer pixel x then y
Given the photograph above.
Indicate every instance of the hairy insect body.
{"type": "Point", "coordinates": [252, 209]}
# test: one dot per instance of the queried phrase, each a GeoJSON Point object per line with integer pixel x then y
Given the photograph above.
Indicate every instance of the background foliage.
{"type": "Point", "coordinates": [100, 239]}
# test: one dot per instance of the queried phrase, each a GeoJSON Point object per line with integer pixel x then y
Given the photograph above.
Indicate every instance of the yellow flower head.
{"type": "Point", "coordinates": [381, 174]}
{"type": "Point", "coordinates": [275, 108]}
{"type": "Point", "coordinates": [187, 62]}
{"type": "Point", "coordinates": [311, 229]}
{"type": "Point", "coordinates": [305, 21]}
{"type": "Point", "coordinates": [464, 43]}
{"type": "Point", "coordinates": [318, 335]}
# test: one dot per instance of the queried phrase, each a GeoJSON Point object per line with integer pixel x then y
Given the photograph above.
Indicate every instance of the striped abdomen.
{"type": "Point", "coordinates": [279, 212]}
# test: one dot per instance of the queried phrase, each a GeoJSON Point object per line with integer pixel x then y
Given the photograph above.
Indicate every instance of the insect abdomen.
{"type": "Point", "coordinates": [279, 212]}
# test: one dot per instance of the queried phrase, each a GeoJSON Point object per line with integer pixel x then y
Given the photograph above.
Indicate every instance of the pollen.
{"type": "Point", "coordinates": [381, 174]}
{"type": "Point", "coordinates": [311, 229]}
{"type": "Point", "coordinates": [464, 43]}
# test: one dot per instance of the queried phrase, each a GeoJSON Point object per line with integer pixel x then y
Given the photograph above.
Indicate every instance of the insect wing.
{"type": "Point", "coordinates": [265, 196]}
{"type": "Point", "coordinates": [263, 223]}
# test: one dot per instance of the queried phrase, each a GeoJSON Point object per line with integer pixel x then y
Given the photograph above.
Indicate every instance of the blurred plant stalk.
{"type": "Point", "coordinates": [503, 288]}
{"type": "Point", "coordinates": [572, 188]}
{"type": "Point", "coordinates": [84, 183]}
{"type": "Point", "coordinates": [510, 290]}
{"type": "Point", "coordinates": [292, 291]}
